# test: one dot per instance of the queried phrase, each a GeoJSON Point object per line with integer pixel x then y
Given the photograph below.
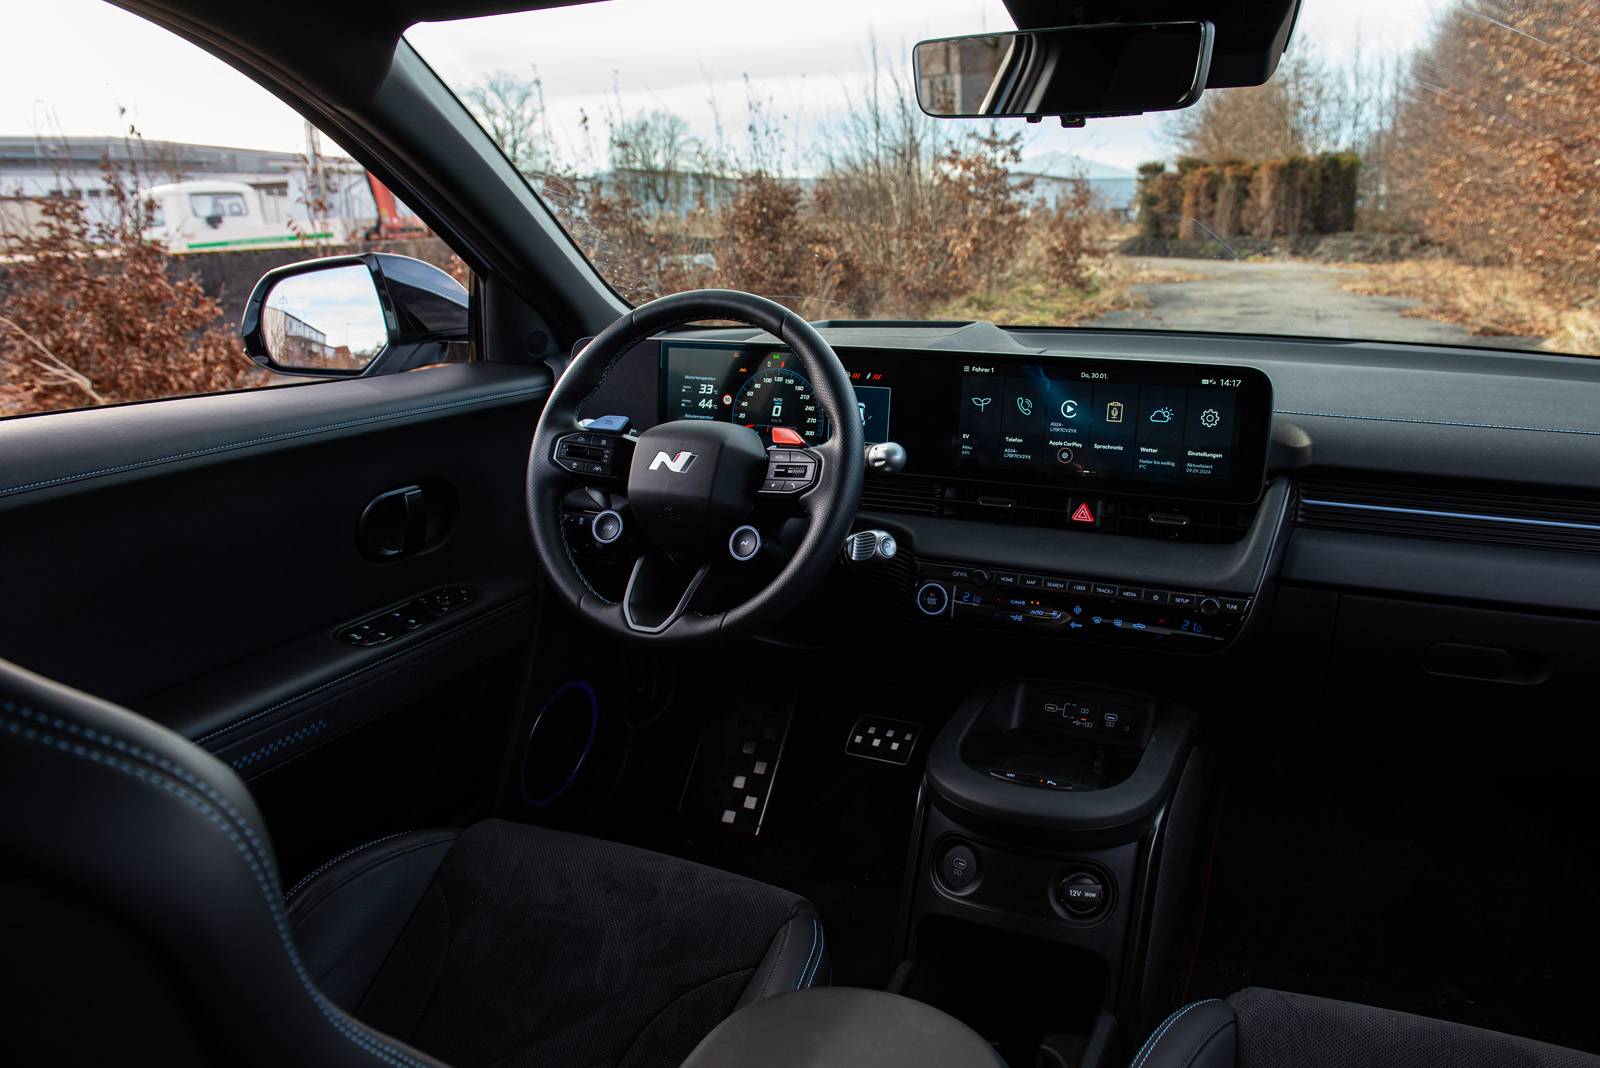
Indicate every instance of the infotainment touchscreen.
{"type": "Point", "coordinates": [1190, 430]}
{"type": "Point", "coordinates": [1135, 420]}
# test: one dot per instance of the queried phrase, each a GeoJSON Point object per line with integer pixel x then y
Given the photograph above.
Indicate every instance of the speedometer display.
{"type": "Point", "coordinates": [778, 396]}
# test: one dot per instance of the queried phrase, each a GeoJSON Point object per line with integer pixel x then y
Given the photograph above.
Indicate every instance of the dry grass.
{"type": "Point", "coordinates": [1032, 301]}
{"type": "Point", "coordinates": [1486, 300]}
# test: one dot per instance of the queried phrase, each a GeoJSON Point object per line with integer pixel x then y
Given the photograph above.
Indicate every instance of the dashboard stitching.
{"type": "Point", "coordinates": [286, 435]}
{"type": "Point", "coordinates": [1443, 422]}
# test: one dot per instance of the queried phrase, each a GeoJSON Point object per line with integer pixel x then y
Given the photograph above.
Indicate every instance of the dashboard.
{"type": "Point", "coordinates": [1418, 502]}
{"type": "Point", "coordinates": [1097, 425]}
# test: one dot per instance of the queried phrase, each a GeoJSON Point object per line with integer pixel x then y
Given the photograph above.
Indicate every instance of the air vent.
{"type": "Point", "coordinates": [1043, 506]}
{"type": "Point", "coordinates": [915, 496]}
{"type": "Point", "coordinates": [1451, 514]}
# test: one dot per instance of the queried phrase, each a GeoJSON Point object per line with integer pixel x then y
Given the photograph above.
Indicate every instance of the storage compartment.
{"type": "Point", "coordinates": [1450, 650]}
{"type": "Point", "coordinates": [1015, 991]}
{"type": "Point", "coordinates": [1058, 736]}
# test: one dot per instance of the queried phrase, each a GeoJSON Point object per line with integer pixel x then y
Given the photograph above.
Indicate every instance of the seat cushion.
{"type": "Point", "coordinates": [1258, 1028]}
{"type": "Point", "coordinates": [524, 946]}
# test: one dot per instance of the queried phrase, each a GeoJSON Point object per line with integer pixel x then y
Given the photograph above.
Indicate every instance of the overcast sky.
{"type": "Point", "coordinates": [83, 67]}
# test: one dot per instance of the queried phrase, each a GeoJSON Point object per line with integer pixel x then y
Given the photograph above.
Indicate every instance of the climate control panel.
{"type": "Point", "coordinates": [1093, 608]}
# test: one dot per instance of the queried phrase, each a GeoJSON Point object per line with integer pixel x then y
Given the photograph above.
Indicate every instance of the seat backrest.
{"type": "Point", "coordinates": [143, 916]}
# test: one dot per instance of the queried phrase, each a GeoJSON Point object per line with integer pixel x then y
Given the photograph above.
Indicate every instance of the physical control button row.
{"type": "Point", "coordinates": [789, 471]}
{"type": "Point", "coordinates": [588, 454]}
{"type": "Point", "coordinates": [413, 615]}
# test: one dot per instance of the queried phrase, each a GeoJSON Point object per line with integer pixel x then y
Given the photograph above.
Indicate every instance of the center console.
{"type": "Point", "coordinates": [1056, 830]}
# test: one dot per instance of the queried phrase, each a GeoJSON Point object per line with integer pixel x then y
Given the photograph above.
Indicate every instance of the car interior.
{"type": "Point", "coordinates": [954, 694]}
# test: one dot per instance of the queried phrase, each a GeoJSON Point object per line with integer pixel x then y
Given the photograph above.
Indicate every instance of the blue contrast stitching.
{"type": "Point", "coordinates": [256, 859]}
{"type": "Point", "coordinates": [806, 967]}
{"type": "Point", "coordinates": [822, 934]}
{"type": "Point", "coordinates": [325, 865]}
{"type": "Point", "coordinates": [298, 735]}
{"type": "Point", "coordinates": [352, 674]}
{"type": "Point", "coordinates": [1150, 1043]}
{"type": "Point", "coordinates": [284, 436]}
{"type": "Point", "coordinates": [1443, 422]}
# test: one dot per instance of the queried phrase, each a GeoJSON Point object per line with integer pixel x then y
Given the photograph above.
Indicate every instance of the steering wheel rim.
{"type": "Point", "coordinates": [828, 507]}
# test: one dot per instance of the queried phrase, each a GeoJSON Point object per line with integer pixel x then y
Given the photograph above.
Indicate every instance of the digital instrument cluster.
{"type": "Point", "coordinates": [1145, 426]}
{"type": "Point", "coordinates": [758, 386]}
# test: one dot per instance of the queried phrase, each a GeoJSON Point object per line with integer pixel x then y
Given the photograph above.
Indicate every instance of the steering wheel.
{"type": "Point", "coordinates": [700, 494]}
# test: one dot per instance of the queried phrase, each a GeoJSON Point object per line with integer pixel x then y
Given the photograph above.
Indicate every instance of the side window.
{"type": "Point", "coordinates": [144, 187]}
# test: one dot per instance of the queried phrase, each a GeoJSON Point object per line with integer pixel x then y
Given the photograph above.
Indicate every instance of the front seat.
{"type": "Point", "coordinates": [1258, 1028]}
{"type": "Point", "coordinates": [144, 922]}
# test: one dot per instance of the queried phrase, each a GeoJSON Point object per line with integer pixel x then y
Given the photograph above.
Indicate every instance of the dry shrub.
{"type": "Point", "coordinates": [897, 230]}
{"type": "Point", "coordinates": [1487, 300]}
{"type": "Point", "coordinates": [93, 314]}
{"type": "Point", "coordinates": [1068, 236]}
{"type": "Point", "coordinates": [771, 246]}
{"type": "Point", "coordinates": [985, 210]}
{"type": "Point", "coordinates": [1497, 146]}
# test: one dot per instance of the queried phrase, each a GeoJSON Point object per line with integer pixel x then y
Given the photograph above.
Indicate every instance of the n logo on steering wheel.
{"type": "Point", "coordinates": [676, 464]}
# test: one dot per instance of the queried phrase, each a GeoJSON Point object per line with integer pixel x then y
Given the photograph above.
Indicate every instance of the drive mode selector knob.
{"type": "Point", "coordinates": [744, 543]}
{"type": "Point", "coordinates": [933, 599]}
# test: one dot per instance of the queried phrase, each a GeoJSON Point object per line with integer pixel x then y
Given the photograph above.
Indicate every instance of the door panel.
{"type": "Point", "coordinates": [197, 560]}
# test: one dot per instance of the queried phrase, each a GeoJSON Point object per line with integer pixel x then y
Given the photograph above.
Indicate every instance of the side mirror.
{"type": "Point", "coordinates": [1075, 72]}
{"type": "Point", "coordinates": [347, 316]}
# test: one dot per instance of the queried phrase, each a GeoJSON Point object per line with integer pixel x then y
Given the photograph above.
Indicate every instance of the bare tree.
{"type": "Point", "coordinates": [653, 152]}
{"type": "Point", "coordinates": [511, 109]}
{"type": "Point", "coordinates": [1309, 106]}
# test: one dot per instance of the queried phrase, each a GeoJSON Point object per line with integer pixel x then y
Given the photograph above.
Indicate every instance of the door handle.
{"type": "Point", "coordinates": [404, 521]}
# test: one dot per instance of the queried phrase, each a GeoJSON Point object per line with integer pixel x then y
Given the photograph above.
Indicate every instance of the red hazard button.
{"type": "Point", "coordinates": [1086, 513]}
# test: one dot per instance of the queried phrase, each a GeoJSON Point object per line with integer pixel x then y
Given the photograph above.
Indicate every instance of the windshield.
{"type": "Point", "coordinates": [1416, 170]}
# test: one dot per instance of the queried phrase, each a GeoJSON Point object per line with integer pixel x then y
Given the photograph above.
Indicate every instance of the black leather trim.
{"type": "Point", "coordinates": [129, 819]}
{"type": "Point", "coordinates": [247, 705]}
{"type": "Point", "coordinates": [60, 451]}
{"type": "Point", "coordinates": [797, 959]}
{"type": "Point", "coordinates": [348, 914]}
{"type": "Point", "coordinates": [839, 1026]}
{"type": "Point", "coordinates": [1202, 1034]}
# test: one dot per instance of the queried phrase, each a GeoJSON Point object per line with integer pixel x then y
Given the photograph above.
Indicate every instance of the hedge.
{"type": "Point", "coordinates": [1275, 198]}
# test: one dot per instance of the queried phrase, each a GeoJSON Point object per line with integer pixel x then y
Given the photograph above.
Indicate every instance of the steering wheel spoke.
{"type": "Point", "coordinates": [660, 591]}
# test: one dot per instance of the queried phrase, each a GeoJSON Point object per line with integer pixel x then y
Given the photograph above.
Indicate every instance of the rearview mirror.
{"type": "Point", "coordinates": [1075, 72]}
{"type": "Point", "coordinates": [345, 316]}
